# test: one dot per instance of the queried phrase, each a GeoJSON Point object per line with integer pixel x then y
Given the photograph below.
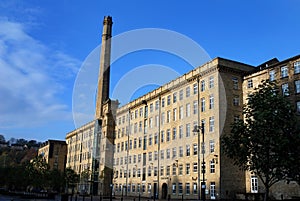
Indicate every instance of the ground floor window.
{"type": "Point", "coordinates": [212, 190]}
{"type": "Point", "coordinates": [254, 184]}
{"type": "Point", "coordinates": [180, 188]}
{"type": "Point", "coordinates": [195, 189]}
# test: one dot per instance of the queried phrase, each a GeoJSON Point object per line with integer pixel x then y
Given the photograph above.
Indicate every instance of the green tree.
{"type": "Point", "coordinates": [263, 142]}
{"type": "Point", "coordinates": [38, 171]}
{"type": "Point", "coordinates": [71, 178]}
{"type": "Point", "coordinates": [2, 138]}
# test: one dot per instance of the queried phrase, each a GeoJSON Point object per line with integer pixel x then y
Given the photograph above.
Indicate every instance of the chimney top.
{"type": "Point", "coordinates": [107, 20]}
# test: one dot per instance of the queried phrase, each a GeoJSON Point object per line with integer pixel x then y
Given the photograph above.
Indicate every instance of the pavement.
{"type": "Point", "coordinates": [97, 198]}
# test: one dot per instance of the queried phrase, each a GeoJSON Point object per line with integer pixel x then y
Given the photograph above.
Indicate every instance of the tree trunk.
{"type": "Point", "coordinates": [266, 197]}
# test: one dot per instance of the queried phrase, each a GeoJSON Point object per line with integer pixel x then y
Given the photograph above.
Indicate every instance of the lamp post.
{"type": "Point", "coordinates": [127, 154]}
{"type": "Point", "coordinates": [203, 185]}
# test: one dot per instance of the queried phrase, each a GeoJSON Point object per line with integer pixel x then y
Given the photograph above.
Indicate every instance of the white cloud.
{"type": "Point", "coordinates": [33, 77]}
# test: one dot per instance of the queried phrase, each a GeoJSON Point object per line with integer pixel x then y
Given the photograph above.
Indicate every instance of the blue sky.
{"type": "Point", "coordinates": [44, 43]}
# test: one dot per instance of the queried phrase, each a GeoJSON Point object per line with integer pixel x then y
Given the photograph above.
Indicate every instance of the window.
{"type": "Point", "coordinates": [187, 168]}
{"type": "Point", "coordinates": [250, 84]}
{"type": "Point", "coordinates": [284, 71]}
{"type": "Point", "coordinates": [151, 107]}
{"type": "Point", "coordinates": [236, 101]}
{"type": "Point", "coordinates": [211, 82]}
{"type": "Point", "coordinates": [174, 188]}
{"type": "Point", "coordinates": [211, 101]}
{"type": "Point", "coordinates": [174, 168]}
{"type": "Point", "coordinates": [168, 153]}
{"type": "Point", "coordinates": [155, 138]}
{"type": "Point", "coordinates": [181, 94]}
{"type": "Point", "coordinates": [150, 140]}
{"type": "Point", "coordinates": [161, 170]}
{"type": "Point", "coordinates": [155, 155]}
{"type": "Point", "coordinates": [254, 184]}
{"type": "Point", "coordinates": [195, 167]}
{"type": "Point", "coordinates": [297, 86]}
{"type": "Point", "coordinates": [174, 133]}
{"type": "Point", "coordinates": [162, 137]}
{"type": "Point", "coordinates": [141, 112]}
{"type": "Point", "coordinates": [168, 135]}
{"type": "Point", "coordinates": [139, 172]}
{"type": "Point", "coordinates": [181, 112]}
{"type": "Point", "coordinates": [149, 171]}
{"type": "Point", "coordinates": [211, 124]}
{"type": "Point", "coordinates": [168, 170]}
{"type": "Point", "coordinates": [272, 75]}
{"type": "Point", "coordinates": [145, 143]}
{"type": "Point", "coordinates": [212, 146]}
{"type": "Point", "coordinates": [140, 126]}
{"type": "Point", "coordinates": [202, 104]}
{"type": "Point", "coordinates": [187, 92]}
{"type": "Point", "coordinates": [195, 88]}
{"type": "Point", "coordinates": [156, 120]}
{"type": "Point", "coordinates": [195, 189]}
{"type": "Point", "coordinates": [297, 67]}
{"type": "Point", "coordinates": [180, 188]}
{"type": "Point", "coordinates": [188, 150]}
{"type": "Point", "coordinates": [169, 100]}
{"type": "Point", "coordinates": [202, 85]}
{"type": "Point", "coordinates": [163, 102]}
{"type": "Point", "coordinates": [150, 156]}
{"type": "Point", "coordinates": [212, 166]}
{"type": "Point", "coordinates": [195, 107]}
{"type": "Point", "coordinates": [174, 97]}
{"type": "Point", "coordinates": [151, 122]}
{"type": "Point", "coordinates": [168, 116]}
{"type": "Point", "coordinates": [298, 106]}
{"type": "Point", "coordinates": [235, 82]}
{"type": "Point", "coordinates": [145, 126]}
{"type": "Point", "coordinates": [180, 132]}
{"type": "Point", "coordinates": [180, 169]}
{"type": "Point", "coordinates": [180, 151]}
{"type": "Point", "coordinates": [212, 190]}
{"type": "Point", "coordinates": [285, 89]}
{"type": "Point", "coordinates": [174, 152]}
{"type": "Point", "coordinates": [143, 188]}
{"type": "Point", "coordinates": [195, 148]}
{"type": "Point", "coordinates": [174, 114]}
{"type": "Point", "coordinates": [187, 188]}
{"type": "Point", "coordinates": [156, 105]}
{"type": "Point", "coordinates": [149, 188]}
{"type": "Point", "coordinates": [188, 130]}
{"type": "Point", "coordinates": [162, 156]}
{"type": "Point", "coordinates": [162, 118]}
{"type": "Point", "coordinates": [188, 110]}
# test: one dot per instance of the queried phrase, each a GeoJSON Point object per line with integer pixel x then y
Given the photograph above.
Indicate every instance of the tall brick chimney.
{"type": "Point", "coordinates": [104, 73]}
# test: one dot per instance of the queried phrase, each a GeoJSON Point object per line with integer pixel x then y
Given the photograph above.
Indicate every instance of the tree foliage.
{"type": "Point", "coordinates": [266, 142]}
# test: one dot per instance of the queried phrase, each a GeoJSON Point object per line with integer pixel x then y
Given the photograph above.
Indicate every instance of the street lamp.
{"type": "Point", "coordinates": [198, 129]}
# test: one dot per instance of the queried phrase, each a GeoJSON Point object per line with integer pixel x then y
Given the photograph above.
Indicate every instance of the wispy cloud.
{"type": "Point", "coordinates": [32, 78]}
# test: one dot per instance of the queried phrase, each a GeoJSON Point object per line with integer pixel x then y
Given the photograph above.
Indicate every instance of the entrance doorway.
{"type": "Point", "coordinates": [155, 191]}
{"type": "Point", "coordinates": [164, 191]}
